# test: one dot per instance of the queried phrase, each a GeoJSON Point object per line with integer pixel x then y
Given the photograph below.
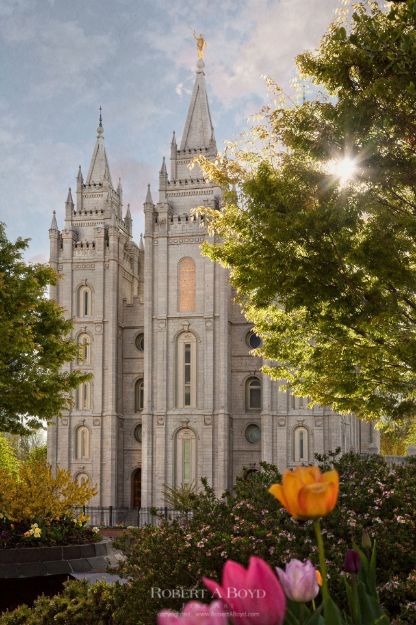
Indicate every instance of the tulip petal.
{"type": "Point", "coordinates": [277, 491]}
{"type": "Point", "coordinates": [271, 607]}
{"type": "Point", "coordinates": [215, 588]}
{"type": "Point", "coordinates": [292, 483]}
{"type": "Point", "coordinates": [316, 500]}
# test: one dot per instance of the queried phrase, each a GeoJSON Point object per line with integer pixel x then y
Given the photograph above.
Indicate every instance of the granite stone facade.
{"type": "Point", "coordinates": [175, 393]}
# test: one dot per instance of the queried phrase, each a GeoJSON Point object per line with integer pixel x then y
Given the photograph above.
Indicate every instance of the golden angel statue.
{"type": "Point", "coordinates": [200, 45]}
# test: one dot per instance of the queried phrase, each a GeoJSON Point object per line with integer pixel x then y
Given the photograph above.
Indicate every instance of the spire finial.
{"type": "Point", "coordinates": [100, 129]}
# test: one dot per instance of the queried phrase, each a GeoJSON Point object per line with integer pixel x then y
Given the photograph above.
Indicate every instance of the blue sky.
{"type": "Point", "coordinates": [61, 60]}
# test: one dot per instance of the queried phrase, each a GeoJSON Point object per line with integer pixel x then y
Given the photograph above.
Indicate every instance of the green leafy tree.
{"type": "Point", "coordinates": [34, 344]}
{"type": "Point", "coordinates": [8, 458]}
{"type": "Point", "coordinates": [319, 223]}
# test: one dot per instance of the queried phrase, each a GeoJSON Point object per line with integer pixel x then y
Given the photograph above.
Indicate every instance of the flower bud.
{"type": "Point", "coordinates": [365, 540]}
{"type": "Point", "coordinates": [352, 562]}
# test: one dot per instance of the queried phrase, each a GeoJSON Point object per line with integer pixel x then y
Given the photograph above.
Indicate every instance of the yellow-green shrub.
{"type": "Point", "coordinates": [36, 493]}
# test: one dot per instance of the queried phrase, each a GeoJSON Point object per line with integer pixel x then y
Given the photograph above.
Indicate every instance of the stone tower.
{"type": "Point", "coordinates": [99, 265]}
{"type": "Point", "coordinates": [186, 415]}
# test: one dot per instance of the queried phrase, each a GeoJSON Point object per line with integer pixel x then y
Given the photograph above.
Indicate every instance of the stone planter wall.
{"type": "Point", "coordinates": [40, 561]}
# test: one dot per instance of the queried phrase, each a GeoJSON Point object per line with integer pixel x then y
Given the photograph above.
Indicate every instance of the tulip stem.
{"type": "Point", "coordinates": [322, 559]}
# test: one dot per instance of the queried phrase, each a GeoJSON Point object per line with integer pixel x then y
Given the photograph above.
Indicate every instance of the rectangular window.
{"type": "Point", "coordinates": [187, 374]}
{"type": "Point", "coordinates": [301, 450]}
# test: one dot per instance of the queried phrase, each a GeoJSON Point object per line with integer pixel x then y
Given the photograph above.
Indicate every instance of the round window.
{"type": "Point", "coordinates": [253, 433]}
{"type": "Point", "coordinates": [138, 433]}
{"type": "Point", "coordinates": [252, 340]}
{"type": "Point", "coordinates": [140, 342]}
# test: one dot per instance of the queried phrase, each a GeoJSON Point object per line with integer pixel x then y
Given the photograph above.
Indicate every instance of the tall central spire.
{"type": "Point", "coordinates": [99, 170]}
{"type": "Point", "coordinates": [198, 132]}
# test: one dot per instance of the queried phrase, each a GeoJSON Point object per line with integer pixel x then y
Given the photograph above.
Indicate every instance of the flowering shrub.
{"type": "Point", "coordinates": [373, 496]}
{"type": "Point", "coordinates": [36, 507]}
{"type": "Point", "coordinates": [35, 493]}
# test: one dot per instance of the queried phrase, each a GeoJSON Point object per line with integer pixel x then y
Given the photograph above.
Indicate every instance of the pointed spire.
{"type": "Point", "coordinates": [119, 188]}
{"type": "Point", "coordinates": [148, 196]}
{"type": "Point", "coordinates": [173, 142]}
{"type": "Point", "coordinates": [54, 224]}
{"type": "Point", "coordinates": [141, 246]}
{"type": "Point", "coordinates": [128, 222]}
{"type": "Point", "coordinates": [79, 175]}
{"type": "Point", "coordinates": [69, 200]}
{"type": "Point", "coordinates": [163, 177]}
{"type": "Point", "coordinates": [99, 171]}
{"type": "Point", "coordinates": [198, 130]}
{"type": "Point", "coordinates": [163, 169]}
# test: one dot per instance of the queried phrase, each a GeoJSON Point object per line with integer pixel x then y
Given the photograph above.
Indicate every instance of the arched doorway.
{"type": "Point", "coordinates": [136, 488]}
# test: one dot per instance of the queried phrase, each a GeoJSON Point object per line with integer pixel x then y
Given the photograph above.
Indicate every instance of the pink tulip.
{"type": "Point", "coordinates": [195, 613]}
{"type": "Point", "coordinates": [299, 581]}
{"type": "Point", "coordinates": [253, 595]}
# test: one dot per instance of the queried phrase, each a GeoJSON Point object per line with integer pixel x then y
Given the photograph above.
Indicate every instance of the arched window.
{"type": "Point", "coordinates": [139, 342]}
{"type": "Point", "coordinates": [186, 285]}
{"type": "Point", "coordinates": [185, 457]}
{"type": "Point", "coordinates": [301, 444]}
{"type": "Point", "coordinates": [138, 395]}
{"type": "Point", "coordinates": [84, 396]}
{"type": "Point", "coordinates": [84, 301]}
{"type": "Point", "coordinates": [81, 478]}
{"type": "Point", "coordinates": [82, 443]}
{"type": "Point", "coordinates": [84, 349]}
{"type": "Point", "coordinates": [253, 394]}
{"type": "Point", "coordinates": [186, 372]}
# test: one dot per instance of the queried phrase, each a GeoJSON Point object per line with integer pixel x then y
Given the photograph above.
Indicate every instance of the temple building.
{"type": "Point", "coordinates": [175, 394]}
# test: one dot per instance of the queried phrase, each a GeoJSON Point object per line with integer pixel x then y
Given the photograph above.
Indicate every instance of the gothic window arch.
{"type": "Point", "coordinates": [82, 443]}
{"type": "Point", "coordinates": [186, 370]}
{"type": "Point", "coordinates": [84, 349]}
{"type": "Point", "coordinates": [186, 284]}
{"type": "Point", "coordinates": [185, 451]}
{"type": "Point", "coordinates": [253, 393]}
{"type": "Point", "coordinates": [83, 396]}
{"type": "Point", "coordinates": [139, 395]}
{"type": "Point", "coordinates": [84, 301]}
{"type": "Point", "coordinates": [301, 444]}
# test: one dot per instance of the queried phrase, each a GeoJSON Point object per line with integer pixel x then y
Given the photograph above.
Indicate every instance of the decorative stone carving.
{"type": "Point", "coordinates": [281, 421]}
{"type": "Point", "coordinates": [160, 420]}
{"type": "Point", "coordinates": [319, 422]}
{"type": "Point", "coordinates": [64, 421]}
{"type": "Point", "coordinates": [207, 419]}
{"type": "Point", "coordinates": [97, 421]}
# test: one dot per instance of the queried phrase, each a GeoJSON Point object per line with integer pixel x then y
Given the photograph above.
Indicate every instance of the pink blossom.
{"type": "Point", "coordinates": [299, 580]}
{"type": "Point", "coordinates": [254, 595]}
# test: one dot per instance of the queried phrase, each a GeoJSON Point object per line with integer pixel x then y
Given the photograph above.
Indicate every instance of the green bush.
{"type": "Point", "coordinates": [80, 603]}
{"type": "Point", "coordinates": [373, 496]}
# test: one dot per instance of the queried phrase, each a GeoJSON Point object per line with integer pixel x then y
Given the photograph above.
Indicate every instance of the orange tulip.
{"type": "Point", "coordinates": [318, 577]}
{"type": "Point", "coordinates": [307, 493]}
